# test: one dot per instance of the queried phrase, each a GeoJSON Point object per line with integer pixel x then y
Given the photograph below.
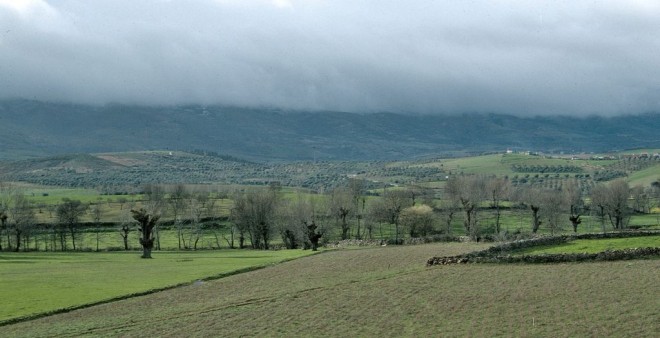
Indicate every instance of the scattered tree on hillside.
{"type": "Point", "coordinates": [147, 223]}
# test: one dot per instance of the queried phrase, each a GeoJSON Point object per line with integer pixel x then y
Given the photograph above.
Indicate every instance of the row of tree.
{"type": "Point", "coordinates": [258, 215]}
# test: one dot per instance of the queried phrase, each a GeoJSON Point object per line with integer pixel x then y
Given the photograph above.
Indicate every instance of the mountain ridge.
{"type": "Point", "coordinates": [34, 129]}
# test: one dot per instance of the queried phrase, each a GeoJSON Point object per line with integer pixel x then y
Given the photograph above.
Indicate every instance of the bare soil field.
{"type": "Point", "coordinates": [386, 291]}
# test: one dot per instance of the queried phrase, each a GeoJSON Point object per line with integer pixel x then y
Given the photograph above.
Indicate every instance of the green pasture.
{"type": "Point", "coordinates": [593, 245]}
{"type": "Point", "coordinates": [645, 177]}
{"type": "Point", "coordinates": [39, 282]}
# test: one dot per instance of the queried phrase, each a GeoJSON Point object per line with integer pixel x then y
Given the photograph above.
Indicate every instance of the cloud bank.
{"type": "Point", "coordinates": [516, 57]}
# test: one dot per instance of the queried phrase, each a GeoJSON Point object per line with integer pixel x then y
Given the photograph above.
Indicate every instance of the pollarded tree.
{"type": "Point", "coordinates": [342, 205]}
{"type": "Point", "coordinates": [573, 196]}
{"type": "Point", "coordinates": [154, 203]}
{"type": "Point", "coordinates": [147, 223]}
{"type": "Point", "coordinates": [532, 198]}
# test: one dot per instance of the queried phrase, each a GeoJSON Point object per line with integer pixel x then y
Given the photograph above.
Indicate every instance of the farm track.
{"type": "Point", "coordinates": [385, 292]}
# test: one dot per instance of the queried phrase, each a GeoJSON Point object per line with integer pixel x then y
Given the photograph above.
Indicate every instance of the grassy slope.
{"type": "Point", "coordinates": [594, 246]}
{"type": "Point", "coordinates": [42, 282]}
{"type": "Point", "coordinates": [386, 292]}
{"type": "Point", "coordinates": [645, 177]}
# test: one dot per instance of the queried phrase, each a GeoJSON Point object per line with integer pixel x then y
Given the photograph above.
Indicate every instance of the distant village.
{"type": "Point", "coordinates": [584, 156]}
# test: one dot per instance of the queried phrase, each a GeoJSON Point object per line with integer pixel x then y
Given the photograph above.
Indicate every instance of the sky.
{"type": "Point", "coordinates": [425, 56]}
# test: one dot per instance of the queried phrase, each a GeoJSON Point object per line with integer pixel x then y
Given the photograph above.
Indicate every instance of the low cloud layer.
{"type": "Point", "coordinates": [517, 57]}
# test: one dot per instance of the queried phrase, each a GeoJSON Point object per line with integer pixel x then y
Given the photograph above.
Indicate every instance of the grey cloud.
{"type": "Point", "coordinates": [536, 57]}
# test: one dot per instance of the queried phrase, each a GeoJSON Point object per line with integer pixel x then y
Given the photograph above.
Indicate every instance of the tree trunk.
{"type": "Point", "coordinates": [536, 218]}
{"type": "Point", "coordinates": [18, 240]}
{"type": "Point", "coordinates": [73, 238]}
{"type": "Point", "coordinates": [146, 252]}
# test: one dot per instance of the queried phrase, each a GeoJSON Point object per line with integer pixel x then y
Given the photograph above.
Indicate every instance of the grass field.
{"type": "Point", "coordinates": [386, 292]}
{"type": "Point", "coordinates": [594, 245]}
{"type": "Point", "coordinates": [34, 283]}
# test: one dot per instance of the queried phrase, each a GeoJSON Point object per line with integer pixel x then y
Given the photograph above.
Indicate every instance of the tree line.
{"type": "Point", "coordinates": [258, 216]}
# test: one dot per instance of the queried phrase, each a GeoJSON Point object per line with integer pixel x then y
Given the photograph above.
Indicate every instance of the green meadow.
{"type": "Point", "coordinates": [594, 245]}
{"type": "Point", "coordinates": [40, 282]}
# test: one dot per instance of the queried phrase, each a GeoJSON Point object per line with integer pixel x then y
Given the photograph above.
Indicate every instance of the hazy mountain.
{"type": "Point", "coordinates": [32, 128]}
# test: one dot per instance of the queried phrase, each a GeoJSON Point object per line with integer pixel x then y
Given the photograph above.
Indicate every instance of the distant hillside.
{"type": "Point", "coordinates": [31, 129]}
{"type": "Point", "coordinates": [129, 171]}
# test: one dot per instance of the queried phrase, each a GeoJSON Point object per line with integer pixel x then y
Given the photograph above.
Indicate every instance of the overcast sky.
{"type": "Point", "coordinates": [518, 57]}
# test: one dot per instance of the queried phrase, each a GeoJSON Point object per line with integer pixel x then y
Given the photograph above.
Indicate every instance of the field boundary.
{"type": "Point", "coordinates": [502, 253]}
{"type": "Point", "coordinates": [143, 293]}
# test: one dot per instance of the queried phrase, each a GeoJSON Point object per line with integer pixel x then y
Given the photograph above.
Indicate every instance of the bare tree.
{"type": "Point", "coordinates": [599, 202]}
{"type": "Point", "coordinates": [23, 218]}
{"type": "Point", "coordinates": [613, 201]}
{"type": "Point", "coordinates": [197, 203]}
{"type": "Point", "coordinates": [3, 225]}
{"type": "Point", "coordinates": [7, 192]}
{"type": "Point", "coordinates": [147, 223]}
{"type": "Point", "coordinates": [573, 197]}
{"type": "Point", "coordinates": [255, 211]}
{"type": "Point", "coordinates": [342, 205]}
{"type": "Point", "coordinates": [96, 211]}
{"type": "Point", "coordinates": [68, 215]}
{"type": "Point", "coordinates": [295, 216]}
{"type": "Point", "coordinates": [641, 199]}
{"type": "Point", "coordinates": [498, 189]}
{"type": "Point", "coordinates": [394, 201]}
{"type": "Point", "coordinates": [470, 191]}
{"type": "Point", "coordinates": [177, 203]}
{"type": "Point", "coordinates": [154, 203]}
{"type": "Point", "coordinates": [532, 198]}
{"type": "Point", "coordinates": [125, 217]}
{"type": "Point", "coordinates": [553, 207]}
